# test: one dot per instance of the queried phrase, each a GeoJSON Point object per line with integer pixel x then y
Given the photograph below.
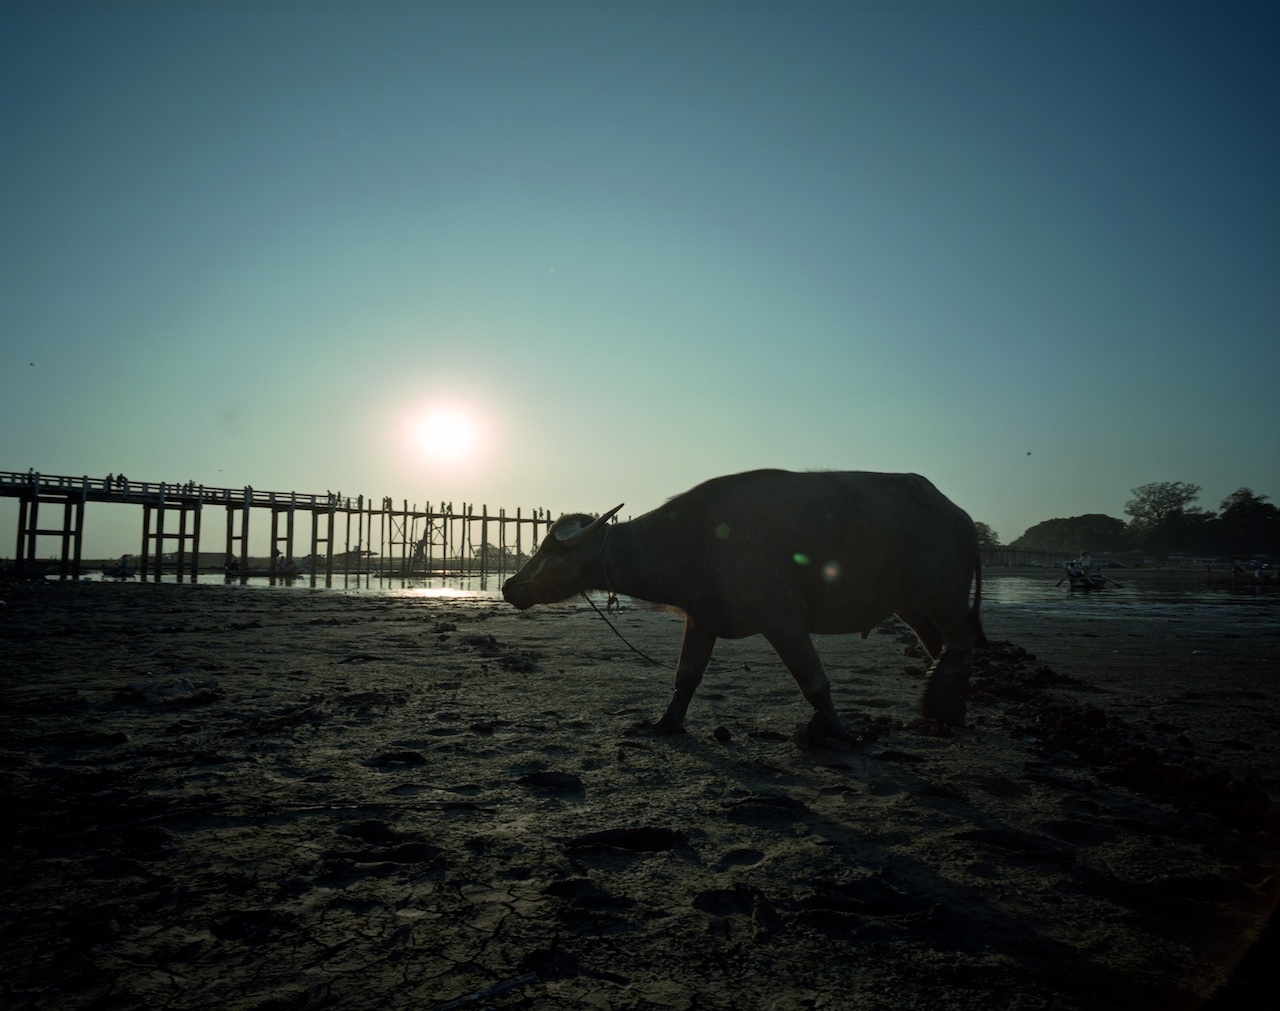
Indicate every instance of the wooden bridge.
{"type": "Point", "coordinates": [410, 541]}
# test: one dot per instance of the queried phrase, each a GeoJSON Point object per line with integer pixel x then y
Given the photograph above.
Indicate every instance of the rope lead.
{"type": "Point", "coordinates": [639, 652]}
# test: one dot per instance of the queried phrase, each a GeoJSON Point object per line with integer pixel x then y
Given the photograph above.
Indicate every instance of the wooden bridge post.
{"type": "Point", "coordinates": [519, 521]}
{"type": "Point", "coordinates": [428, 540]}
{"type": "Point", "coordinates": [244, 534]}
{"type": "Point", "coordinates": [315, 544]}
{"type": "Point", "coordinates": [33, 519]}
{"type": "Point", "coordinates": [79, 534]}
{"type": "Point", "coordinates": [195, 537]}
{"type": "Point", "coordinates": [468, 538]}
{"type": "Point", "coordinates": [64, 560]}
{"type": "Point", "coordinates": [159, 534]}
{"type": "Point", "coordinates": [25, 506]}
{"type": "Point", "coordinates": [145, 560]}
{"type": "Point", "coordinates": [404, 539]}
{"type": "Point", "coordinates": [382, 540]}
{"type": "Point", "coordinates": [346, 548]}
{"type": "Point", "coordinates": [182, 541]}
{"type": "Point", "coordinates": [227, 555]}
{"type": "Point", "coordinates": [331, 519]}
{"type": "Point", "coordinates": [450, 549]}
{"type": "Point", "coordinates": [273, 564]}
{"type": "Point", "coordinates": [288, 530]}
{"type": "Point", "coordinates": [359, 539]}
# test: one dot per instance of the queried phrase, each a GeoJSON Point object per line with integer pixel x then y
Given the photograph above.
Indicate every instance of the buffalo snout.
{"type": "Point", "coordinates": [517, 595]}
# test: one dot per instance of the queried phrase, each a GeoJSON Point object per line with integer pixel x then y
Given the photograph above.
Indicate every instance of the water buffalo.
{"type": "Point", "coordinates": [785, 555]}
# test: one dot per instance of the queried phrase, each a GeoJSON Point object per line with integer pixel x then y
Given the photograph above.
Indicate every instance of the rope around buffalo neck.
{"type": "Point", "coordinates": [612, 598]}
{"type": "Point", "coordinates": [611, 625]}
{"type": "Point", "coordinates": [613, 628]}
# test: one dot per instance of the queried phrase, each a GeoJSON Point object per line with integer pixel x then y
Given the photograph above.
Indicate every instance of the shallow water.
{"type": "Point", "coordinates": [1134, 594]}
{"type": "Point", "coordinates": [1145, 595]}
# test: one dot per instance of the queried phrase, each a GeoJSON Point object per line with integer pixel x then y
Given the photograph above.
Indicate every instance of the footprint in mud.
{"type": "Point", "coordinates": [584, 893]}
{"type": "Point", "coordinates": [645, 839]}
{"type": "Point", "coordinates": [372, 830]}
{"type": "Point", "coordinates": [555, 782]}
{"type": "Point", "coordinates": [249, 925]}
{"type": "Point", "coordinates": [767, 809]}
{"type": "Point", "coordinates": [744, 857]}
{"type": "Point", "coordinates": [727, 901]}
{"type": "Point", "coordinates": [866, 897]}
{"type": "Point", "coordinates": [397, 758]}
{"type": "Point", "coordinates": [724, 906]}
{"type": "Point", "coordinates": [1023, 844]}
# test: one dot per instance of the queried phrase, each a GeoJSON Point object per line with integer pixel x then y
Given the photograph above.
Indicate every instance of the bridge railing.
{"type": "Point", "coordinates": [119, 487]}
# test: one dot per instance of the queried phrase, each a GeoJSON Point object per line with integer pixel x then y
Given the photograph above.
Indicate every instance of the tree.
{"type": "Point", "coordinates": [1247, 524]}
{"type": "Point", "coordinates": [987, 538]}
{"type": "Point", "coordinates": [1155, 504]}
{"type": "Point", "coordinates": [1243, 503]}
{"type": "Point", "coordinates": [1093, 531]}
{"type": "Point", "coordinates": [1163, 517]}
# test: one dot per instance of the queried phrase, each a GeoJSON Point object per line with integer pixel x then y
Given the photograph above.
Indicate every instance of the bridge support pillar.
{"type": "Point", "coordinates": [70, 533]}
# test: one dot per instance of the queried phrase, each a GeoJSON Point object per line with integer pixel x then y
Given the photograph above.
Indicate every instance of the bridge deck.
{"type": "Point", "coordinates": [405, 534]}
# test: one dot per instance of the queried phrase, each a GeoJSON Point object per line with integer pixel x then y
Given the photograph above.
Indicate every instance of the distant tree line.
{"type": "Point", "coordinates": [1162, 521]}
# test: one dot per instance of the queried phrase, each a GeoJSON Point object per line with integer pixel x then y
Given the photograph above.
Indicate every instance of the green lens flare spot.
{"type": "Point", "coordinates": [800, 558]}
{"type": "Point", "coordinates": [722, 531]}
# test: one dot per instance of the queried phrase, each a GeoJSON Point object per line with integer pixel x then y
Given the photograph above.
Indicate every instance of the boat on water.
{"type": "Point", "coordinates": [283, 570]}
{"type": "Point", "coordinates": [1079, 578]}
{"type": "Point", "coordinates": [28, 570]}
{"type": "Point", "coordinates": [121, 570]}
{"type": "Point", "coordinates": [1260, 575]}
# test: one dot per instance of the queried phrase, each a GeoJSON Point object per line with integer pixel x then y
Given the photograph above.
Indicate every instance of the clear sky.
{"type": "Point", "coordinates": [1029, 250]}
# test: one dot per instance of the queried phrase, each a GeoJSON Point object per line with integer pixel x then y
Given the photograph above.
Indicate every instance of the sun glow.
{"type": "Point", "coordinates": [447, 435]}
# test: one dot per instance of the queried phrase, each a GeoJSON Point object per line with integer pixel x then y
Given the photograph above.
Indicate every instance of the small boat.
{"type": "Point", "coordinates": [290, 571]}
{"type": "Point", "coordinates": [29, 570]}
{"type": "Point", "coordinates": [121, 570]}
{"type": "Point", "coordinates": [1084, 579]}
{"type": "Point", "coordinates": [1262, 575]}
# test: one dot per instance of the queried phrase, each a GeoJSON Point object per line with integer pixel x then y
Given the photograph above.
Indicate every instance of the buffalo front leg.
{"type": "Point", "coordinates": [797, 652]}
{"type": "Point", "coordinates": [695, 654]}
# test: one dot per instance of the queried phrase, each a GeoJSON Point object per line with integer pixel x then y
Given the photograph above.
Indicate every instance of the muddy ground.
{"type": "Point", "coordinates": [398, 802]}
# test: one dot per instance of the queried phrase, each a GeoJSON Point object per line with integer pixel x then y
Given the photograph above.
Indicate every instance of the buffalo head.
{"type": "Point", "coordinates": [563, 564]}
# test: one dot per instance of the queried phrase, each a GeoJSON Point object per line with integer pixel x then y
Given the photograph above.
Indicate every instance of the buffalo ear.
{"type": "Point", "coordinates": [573, 536]}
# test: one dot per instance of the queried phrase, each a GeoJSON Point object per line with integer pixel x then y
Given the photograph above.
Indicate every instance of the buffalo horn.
{"type": "Point", "coordinates": [572, 538]}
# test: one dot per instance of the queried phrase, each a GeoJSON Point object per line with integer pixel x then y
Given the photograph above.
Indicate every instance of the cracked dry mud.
{"type": "Point", "coordinates": [395, 802]}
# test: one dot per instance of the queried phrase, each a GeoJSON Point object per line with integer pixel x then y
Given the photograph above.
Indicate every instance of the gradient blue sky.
{"type": "Point", "coordinates": [643, 244]}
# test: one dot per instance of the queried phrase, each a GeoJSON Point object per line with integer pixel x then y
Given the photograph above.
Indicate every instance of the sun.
{"type": "Point", "coordinates": [446, 434]}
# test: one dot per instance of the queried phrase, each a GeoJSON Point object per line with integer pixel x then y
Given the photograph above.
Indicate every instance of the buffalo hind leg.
{"type": "Point", "coordinates": [926, 631]}
{"type": "Point", "coordinates": [948, 680]}
{"type": "Point", "coordinates": [695, 654]}
{"type": "Point", "coordinates": [948, 676]}
{"type": "Point", "coordinates": [797, 652]}
{"type": "Point", "coordinates": [945, 687]}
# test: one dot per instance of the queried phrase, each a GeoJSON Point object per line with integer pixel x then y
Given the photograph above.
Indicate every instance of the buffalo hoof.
{"type": "Point", "coordinates": [824, 730]}
{"type": "Point", "coordinates": [947, 711]}
{"type": "Point", "coordinates": [666, 728]}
